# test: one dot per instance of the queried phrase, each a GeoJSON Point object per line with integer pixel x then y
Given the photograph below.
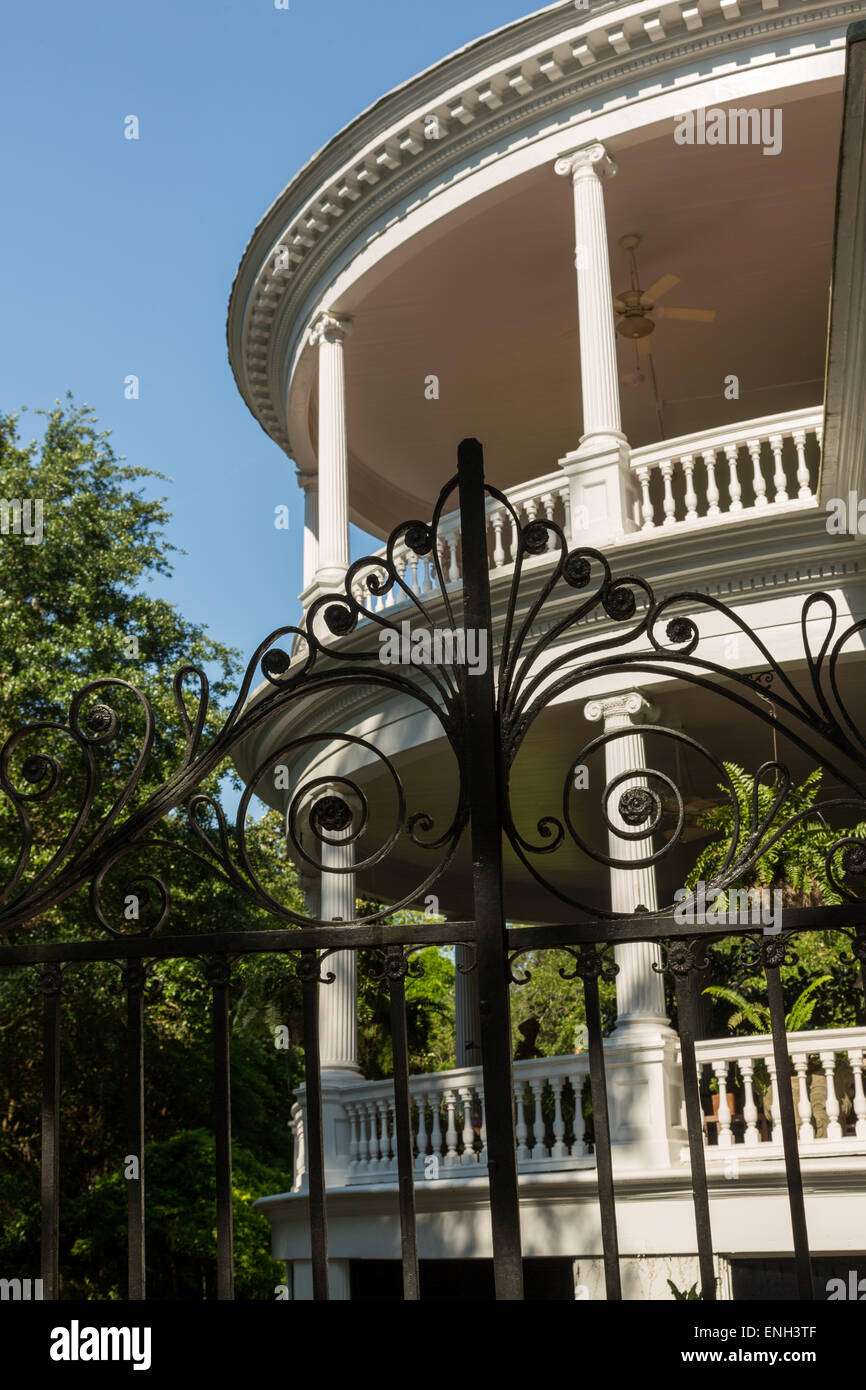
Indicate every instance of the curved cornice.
{"type": "Point", "coordinates": [489, 89]}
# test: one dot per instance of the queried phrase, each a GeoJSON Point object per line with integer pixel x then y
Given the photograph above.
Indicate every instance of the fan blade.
{"type": "Point", "coordinates": [690, 315]}
{"type": "Point", "coordinates": [644, 347]}
{"type": "Point", "coordinates": [619, 306]}
{"type": "Point", "coordinates": [660, 287]}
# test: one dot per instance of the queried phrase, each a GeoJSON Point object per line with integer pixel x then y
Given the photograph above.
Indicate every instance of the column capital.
{"type": "Point", "coordinates": [588, 159]}
{"type": "Point", "coordinates": [628, 707]}
{"type": "Point", "coordinates": [329, 328]}
{"type": "Point", "coordinates": [307, 481]}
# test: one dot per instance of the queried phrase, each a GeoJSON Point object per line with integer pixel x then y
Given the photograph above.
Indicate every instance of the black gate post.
{"type": "Point", "coordinates": [485, 801]}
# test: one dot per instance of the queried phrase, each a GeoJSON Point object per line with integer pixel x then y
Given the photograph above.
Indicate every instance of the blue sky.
{"type": "Point", "coordinates": [118, 255]}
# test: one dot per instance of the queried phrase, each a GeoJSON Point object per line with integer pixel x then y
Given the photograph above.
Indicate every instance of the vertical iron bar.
{"type": "Point", "coordinates": [794, 1177]}
{"type": "Point", "coordinates": [49, 984]}
{"type": "Point", "coordinates": [694, 1117]}
{"type": "Point", "coordinates": [134, 976]}
{"type": "Point", "coordinates": [315, 1148]}
{"type": "Point", "coordinates": [403, 1121]}
{"type": "Point", "coordinates": [601, 1127]}
{"type": "Point", "coordinates": [483, 773]}
{"type": "Point", "coordinates": [219, 978]}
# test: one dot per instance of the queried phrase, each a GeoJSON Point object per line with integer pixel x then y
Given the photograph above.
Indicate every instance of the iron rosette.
{"type": "Point", "coordinates": [571, 623]}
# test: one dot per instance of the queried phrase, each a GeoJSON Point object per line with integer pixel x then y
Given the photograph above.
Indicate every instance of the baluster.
{"type": "Point", "coordinates": [422, 1133]}
{"type": "Point", "coordinates": [482, 1157]}
{"type": "Point", "coordinates": [775, 1112]}
{"type": "Point", "coordinates": [353, 1138]}
{"type": "Point", "coordinates": [424, 568]}
{"type": "Point", "coordinates": [688, 464]}
{"type": "Point", "coordinates": [359, 593]}
{"type": "Point", "coordinates": [521, 1127]}
{"type": "Point", "coordinates": [381, 1144]}
{"type": "Point", "coordinates": [647, 509]}
{"type": "Point", "coordinates": [578, 1148]}
{"type": "Point", "coordinates": [539, 1148]}
{"type": "Point", "coordinates": [559, 1149]}
{"type": "Point", "coordinates": [497, 520]}
{"type": "Point", "coordinates": [530, 509]}
{"type": "Point", "coordinates": [856, 1060]}
{"type": "Point", "coordinates": [750, 1109]}
{"type": "Point", "coordinates": [513, 540]}
{"type": "Point", "coordinates": [548, 502]}
{"type": "Point", "coordinates": [667, 472]}
{"type": "Point", "coordinates": [828, 1062]}
{"type": "Point", "coordinates": [453, 562]}
{"type": "Point", "coordinates": [300, 1145]}
{"type": "Point", "coordinates": [804, 1105]}
{"type": "Point", "coordinates": [436, 1130]}
{"type": "Point", "coordinates": [805, 491]}
{"type": "Point", "coordinates": [413, 563]}
{"type": "Point", "coordinates": [758, 481]}
{"type": "Point", "coordinates": [564, 495]}
{"type": "Point", "coordinates": [401, 560]}
{"type": "Point", "coordinates": [373, 1136]}
{"type": "Point", "coordinates": [363, 1145]}
{"type": "Point", "coordinates": [709, 458]}
{"type": "Point", "coordinates": [780, 482]}
{"type": "Point", "coordinates": [440, 555]}
{"type": "Point", "coordinates": [451, 1156]}
{"type": "Point", "coordinates": [391, 1116]}
{"type": "Point", "coordinates": [468, 1154]}
{"type": "Point", "coordinates": [725, 1136]}
{"type": "Point", "coordinates": [736, 491]}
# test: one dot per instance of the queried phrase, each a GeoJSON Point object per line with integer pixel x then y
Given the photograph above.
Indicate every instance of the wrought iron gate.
{"type": "Point", "coordinates": [579, 621]}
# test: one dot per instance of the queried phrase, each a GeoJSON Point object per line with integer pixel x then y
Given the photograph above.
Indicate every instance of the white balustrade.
{"type": "Point", "coordinates": [765, 465]}
{"type": "Point", "coordinates": [449, 1131]}
{"type": "Point", "coordinates": [827, 1089]}
{"type": "Point", "coordinates": [769, 462]}
{"type": "Point", "coordinates": [449, 1122]}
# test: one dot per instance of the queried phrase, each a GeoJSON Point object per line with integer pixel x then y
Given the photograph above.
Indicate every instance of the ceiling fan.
{"type": "Point", "coordinates": [634, 306]}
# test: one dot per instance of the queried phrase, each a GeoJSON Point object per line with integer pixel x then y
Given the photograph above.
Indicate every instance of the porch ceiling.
{"type": "Point", "coordinates": [482, 300]}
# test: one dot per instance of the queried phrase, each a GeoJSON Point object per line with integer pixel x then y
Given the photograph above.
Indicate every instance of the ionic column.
{"type": "Point", "coordinates": [467, 1009]}
{"type": "Point", "coordinates": [328, 334]}
{"type": "Point", "coordinates": [602, 422]}
{"type": "Point", "coordinates": [639, 989]}
{"type": "Point", "coordinates": [338, 1002]}
{"type": "Point", "coordinates": [310, 484]}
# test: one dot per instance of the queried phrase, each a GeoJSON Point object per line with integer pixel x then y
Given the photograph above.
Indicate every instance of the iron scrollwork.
{"type": "Point", "coordinates": [567, 621]}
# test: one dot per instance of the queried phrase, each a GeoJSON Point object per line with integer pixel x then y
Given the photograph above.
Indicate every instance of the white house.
{"type": "Point", "coordinates": [600, 240]}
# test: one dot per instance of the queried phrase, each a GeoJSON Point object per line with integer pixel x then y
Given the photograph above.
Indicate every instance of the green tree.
{"type": "Point", "coordinates": [72, 609]}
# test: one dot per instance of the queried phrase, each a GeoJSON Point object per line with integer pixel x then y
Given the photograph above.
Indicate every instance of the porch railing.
{"type": "Point", "coordinates": [449, 1122]}
{"type": "Point", "coordinates": [448, 1119]}
{"type": "Point", "coordinates": [716, 476]}
{"type": "Point", "coordinates": [827, 1080]}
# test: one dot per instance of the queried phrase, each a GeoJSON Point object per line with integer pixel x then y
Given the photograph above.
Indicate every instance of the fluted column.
{"type": "Point", "coordinates": [329, 334]}
{"type": "Point", "coordinates": [467, 1009]}
{"type": "Point", "coordinates": [310, 484]}
{"type": "Point", "coordinates": [338, 1002]}
{"type": "Point", "coordinates": [639, 989]}
{"type": "Point", "coordinates": [602, 423]}
{"type": "Point", "coordinates": [602, 489]}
